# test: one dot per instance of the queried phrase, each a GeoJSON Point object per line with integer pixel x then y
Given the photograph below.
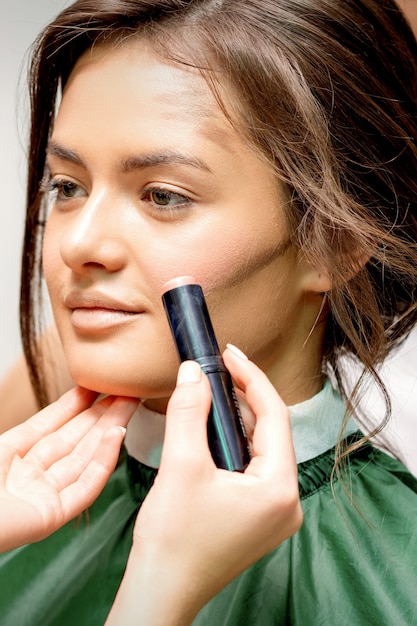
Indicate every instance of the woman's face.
{"type": "Point", "coordinates": [149, 181]}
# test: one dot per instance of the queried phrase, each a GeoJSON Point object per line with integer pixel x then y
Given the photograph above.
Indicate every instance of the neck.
{"type": "Point", "coordinates": [294, 365]}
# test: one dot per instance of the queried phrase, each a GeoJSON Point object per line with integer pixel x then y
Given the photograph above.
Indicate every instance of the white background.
{"type": "Point", "coordinates": [21, 21]}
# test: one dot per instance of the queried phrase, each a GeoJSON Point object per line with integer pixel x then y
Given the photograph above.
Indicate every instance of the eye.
{"type": "Point", "coordinates": [165, 199]}
{"type": "Point", "coordinates": [62, 189]}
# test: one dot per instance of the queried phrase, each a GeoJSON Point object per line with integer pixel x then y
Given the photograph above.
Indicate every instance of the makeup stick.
{"type": "Point", "coordinates": [194, 338]}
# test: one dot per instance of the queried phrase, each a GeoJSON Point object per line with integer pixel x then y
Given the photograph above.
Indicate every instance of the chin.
{"type": "Point", "coordinates": [113, 386]}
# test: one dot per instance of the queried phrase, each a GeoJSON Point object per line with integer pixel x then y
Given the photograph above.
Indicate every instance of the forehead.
{"type": "Point", "coordinates": [126, 99]}
{"type": "Point", "coordinates": [131, 73]}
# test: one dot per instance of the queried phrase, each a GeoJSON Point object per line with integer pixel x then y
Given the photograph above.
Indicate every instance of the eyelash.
{"type": "Point", "coordinates": [55, 188]}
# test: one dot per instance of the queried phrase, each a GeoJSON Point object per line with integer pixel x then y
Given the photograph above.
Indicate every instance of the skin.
{"type": "Point", "coordinates": [409, 8]}
{"type": "Point", "coordinates": [17, 398]}
{"type": "Point", "coordinates": [133, 134]}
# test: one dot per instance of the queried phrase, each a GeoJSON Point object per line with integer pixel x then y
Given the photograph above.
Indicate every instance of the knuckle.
{"type": "Point", "coordinates": [286, 502]}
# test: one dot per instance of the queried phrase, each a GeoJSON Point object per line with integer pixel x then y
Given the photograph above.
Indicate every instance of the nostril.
{"type": "Point", "coordinates": [93, 264]}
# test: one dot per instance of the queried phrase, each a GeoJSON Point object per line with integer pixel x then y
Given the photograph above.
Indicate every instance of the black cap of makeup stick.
{"type": "Point", "coordinates": [189, 319]}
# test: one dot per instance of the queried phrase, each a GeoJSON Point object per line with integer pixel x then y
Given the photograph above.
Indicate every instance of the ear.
{"type": "Point", "coordinates": [315, 280]}
{"type": "Point", "coordinates": [320, 280]}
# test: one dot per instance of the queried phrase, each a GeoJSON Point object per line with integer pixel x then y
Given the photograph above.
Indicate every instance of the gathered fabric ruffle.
{"type": "Point", "coordinates": [352, 562]}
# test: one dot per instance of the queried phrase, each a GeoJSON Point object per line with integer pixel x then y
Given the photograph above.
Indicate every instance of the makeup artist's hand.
{"type": "Point", "coordinates": [200, 526]}
{"type": "Point", "coordinates": [54, 465]}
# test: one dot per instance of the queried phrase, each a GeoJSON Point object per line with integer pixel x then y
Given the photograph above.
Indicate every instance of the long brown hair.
{"type": "Point", "coordinates": [327, 92]}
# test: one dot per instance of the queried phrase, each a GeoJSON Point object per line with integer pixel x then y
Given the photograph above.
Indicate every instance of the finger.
{"type": "Point", "coordinates": [272, 438]}
{"type": "Point", "coordinates": [185, 439]}
{"type": "Point", "coordinates": [24, 436]}
{"type": "Point", "coordinates": [6, 458]}
{"type": "Point", "coordinates": [107, 412]}
{"type": "Point", "coordinates": [66, 453]}
{"type": "Point", "coordinates": [56, 445]}
{"type": "Point", "coordinates": [86, 487]}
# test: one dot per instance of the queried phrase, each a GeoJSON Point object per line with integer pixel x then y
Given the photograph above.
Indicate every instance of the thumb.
{"type": "Point", "coordinates": [185, 440]}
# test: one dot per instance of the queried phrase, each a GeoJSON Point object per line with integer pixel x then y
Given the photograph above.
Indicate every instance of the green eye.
{"type": "Point", "coordinates": [62, 189]}
{"type": "Point", "coordinates": [161, 197]}
{"type": "Point", "coordinates": [164, 198]}
{"type": "Point", "coordinates": [67, 189]}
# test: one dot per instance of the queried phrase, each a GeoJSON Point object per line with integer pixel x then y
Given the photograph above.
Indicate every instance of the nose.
{"type": "Point", "coordinates": [93, 236]}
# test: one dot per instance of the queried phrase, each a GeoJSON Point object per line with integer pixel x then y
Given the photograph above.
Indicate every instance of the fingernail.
{"type": "Point", "coordinates": [123, 429]}
{"type": "Point", "coordinates": [189, 372]}
{"type": "Point", "coordinates": [237, 352]}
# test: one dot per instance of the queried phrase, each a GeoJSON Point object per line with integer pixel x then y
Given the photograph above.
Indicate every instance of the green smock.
{"type": "Point", "coordinates": [353, 562]}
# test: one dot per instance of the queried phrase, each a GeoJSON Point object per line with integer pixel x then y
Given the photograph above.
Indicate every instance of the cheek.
{"type": "Point", "coordinates": [215, 260]}
{"type": "Point", "coordinates": [232, 259]}
{"type": "Point", "coordinates": [50, 260]}
{"type": "Point", "coordinates": [218, 260]}
{"type": "Point", "coordinates": [239, 256]}
{"type": "Point", "coordinates": [224, 263]}
{"type": "Point", "coordinates": [247, 278]}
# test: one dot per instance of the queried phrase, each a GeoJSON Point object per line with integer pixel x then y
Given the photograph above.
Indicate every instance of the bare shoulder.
{"type": "Point", "coordinates": [17, 399]}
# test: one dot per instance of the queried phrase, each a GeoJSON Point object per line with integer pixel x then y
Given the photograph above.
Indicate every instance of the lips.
{"type": "Point", "coordinates": [97, 313]}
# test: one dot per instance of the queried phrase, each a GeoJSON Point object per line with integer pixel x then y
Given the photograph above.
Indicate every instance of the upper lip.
{"type": "Point", "coordinates": [98, 300]}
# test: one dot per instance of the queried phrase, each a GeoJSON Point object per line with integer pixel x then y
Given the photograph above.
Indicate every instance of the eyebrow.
{"type": "Point", "coordinates": [154, 159]}
{"type": "Point", "coordinates": [64, 153]}
{"type": "Point", "coordinates": [134, 162]}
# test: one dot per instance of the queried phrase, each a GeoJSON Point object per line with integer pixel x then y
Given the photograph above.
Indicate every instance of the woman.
{"type": "Point", "coordinates": [268, 149]}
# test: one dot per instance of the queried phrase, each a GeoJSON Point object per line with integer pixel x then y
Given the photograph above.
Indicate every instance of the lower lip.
{"type": "Point", "coordinates": [99, 320]}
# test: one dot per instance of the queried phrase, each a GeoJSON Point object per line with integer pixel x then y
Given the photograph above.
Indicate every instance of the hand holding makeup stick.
{"type": "Point", "coordinates": [54, 465]}
{"type": "Point", "coordinates": [201, 526]}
